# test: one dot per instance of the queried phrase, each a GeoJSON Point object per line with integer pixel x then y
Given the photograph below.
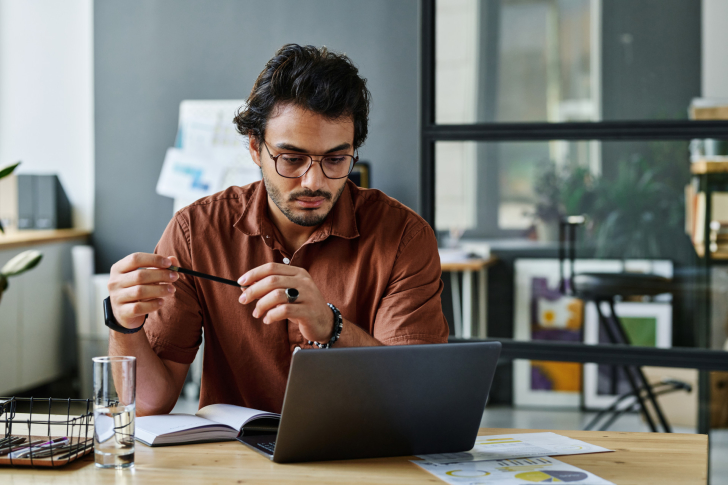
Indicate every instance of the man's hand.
{"type": "Point", "coordinates": [139, 285]}
{"type": "Point", "coordinates": [268, 284]}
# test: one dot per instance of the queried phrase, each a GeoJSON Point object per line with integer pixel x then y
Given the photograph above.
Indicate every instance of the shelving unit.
{"type": "Point", "coordinates": [712, 176]}
{"type": "Point", "coordinates": [33, 310]}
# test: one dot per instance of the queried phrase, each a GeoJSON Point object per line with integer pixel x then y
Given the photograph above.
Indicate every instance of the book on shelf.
{"type": "Point", "coordinates": [689, 209]}
{"type": "Point", "coordinates": [216, 422]}
{"type": "Point", "coordinates": [719, 212]}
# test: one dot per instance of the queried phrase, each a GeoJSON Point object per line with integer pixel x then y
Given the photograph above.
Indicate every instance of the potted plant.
{"type": "Point", "coordinates": [24, 261]}
{"type": "Point", "coordinates": [560, 193]}
{"type": "Point", "coordinates": [638, 214]}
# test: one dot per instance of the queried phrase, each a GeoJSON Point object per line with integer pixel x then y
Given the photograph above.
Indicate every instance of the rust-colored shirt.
{"type": "Point", "coordinates": [373, 258]}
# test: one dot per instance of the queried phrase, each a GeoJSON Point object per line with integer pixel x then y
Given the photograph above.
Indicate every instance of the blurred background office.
{"type": "Point", "coordinates": [99, 95]}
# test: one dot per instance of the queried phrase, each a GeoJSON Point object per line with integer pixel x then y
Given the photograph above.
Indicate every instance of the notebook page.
{"type": "Point", "coordinates": [233, 416]}
{"type": "Point", "coordinates": [171, 423]}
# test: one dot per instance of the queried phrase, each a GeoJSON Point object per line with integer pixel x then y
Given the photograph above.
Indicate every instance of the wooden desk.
{"type": "Point", "coordinates": [639, 458]}
{"type": "Point", "coordinates": [463, 313]}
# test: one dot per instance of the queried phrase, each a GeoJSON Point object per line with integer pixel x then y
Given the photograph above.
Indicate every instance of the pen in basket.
{"type": "Point", "coordinates": [11, 443]}
{"type": "Point", "coordinates": [34, 449]}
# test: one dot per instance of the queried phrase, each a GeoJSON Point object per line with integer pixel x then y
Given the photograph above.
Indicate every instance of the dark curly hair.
{"type": "Point", "coordinates": [312, 78]}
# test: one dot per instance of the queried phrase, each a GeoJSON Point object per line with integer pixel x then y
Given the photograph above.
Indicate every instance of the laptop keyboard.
{"type": "Point", "coordinates": [268, 447]}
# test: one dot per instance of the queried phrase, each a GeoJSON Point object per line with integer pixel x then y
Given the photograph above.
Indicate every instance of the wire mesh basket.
{"type": "Point", "coordinates": [45, 432]}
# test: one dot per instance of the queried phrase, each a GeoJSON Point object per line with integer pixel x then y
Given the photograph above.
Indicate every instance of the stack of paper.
{"type": "Point", "coordinates": [513, 458]}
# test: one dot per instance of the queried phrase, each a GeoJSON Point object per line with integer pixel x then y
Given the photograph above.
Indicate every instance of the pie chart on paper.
{"type": "Point", "coordinates": [467, 473]}
{"type": "Point", "coordinates": [553, 476]}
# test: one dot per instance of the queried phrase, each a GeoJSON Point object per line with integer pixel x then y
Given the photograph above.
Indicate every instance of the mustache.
{"type": "Point", "coordinates": [310, 193]}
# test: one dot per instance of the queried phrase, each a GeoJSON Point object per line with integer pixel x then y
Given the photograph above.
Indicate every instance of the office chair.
{"type": "Point", "coordinates": [605, 288]}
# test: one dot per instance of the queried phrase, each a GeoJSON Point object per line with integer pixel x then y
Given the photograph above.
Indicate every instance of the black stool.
{"type": "Point", "coordinates": [604, 288]}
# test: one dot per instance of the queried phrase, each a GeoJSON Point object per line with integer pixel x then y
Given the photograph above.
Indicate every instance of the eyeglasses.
{"type": "Point", "coordinates": [295, 165]}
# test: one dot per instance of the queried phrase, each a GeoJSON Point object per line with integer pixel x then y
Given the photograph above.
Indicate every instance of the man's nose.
{"type": "Point", "coordinates": [314, 179]}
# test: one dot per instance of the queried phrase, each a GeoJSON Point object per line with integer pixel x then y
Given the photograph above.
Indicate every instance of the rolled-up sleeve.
{"type": "Point", "coordinates": [411, 311]}
{"type": "Point", "coordinates": [175, 331]}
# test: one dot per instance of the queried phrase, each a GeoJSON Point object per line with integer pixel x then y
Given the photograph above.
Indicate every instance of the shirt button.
{"type": "Point", "coordinates": [296, 349]}
{"type": "Point", "coordinates": [286, 261]}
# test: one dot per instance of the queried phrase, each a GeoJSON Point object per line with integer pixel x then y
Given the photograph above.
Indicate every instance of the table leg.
{"type": "Point", "coordinates": [483, 303]}
{"type": "Point", "coordinates": [467, 304]}
{"type": "Point", "coordinates": [455, 287]}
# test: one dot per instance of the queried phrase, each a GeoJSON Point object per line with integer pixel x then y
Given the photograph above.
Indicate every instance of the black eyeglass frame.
{"type": "Point", "coordinates": [311, 160]}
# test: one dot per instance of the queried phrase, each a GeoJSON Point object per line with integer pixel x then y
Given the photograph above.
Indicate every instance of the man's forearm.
{"type": "Point", "coordinates": [155, 392]}
{"type": "Point", "coordinates": [353, 336]}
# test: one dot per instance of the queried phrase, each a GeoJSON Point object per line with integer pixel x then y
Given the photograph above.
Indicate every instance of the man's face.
{"type": "Point", "coordinates": [306, 200]}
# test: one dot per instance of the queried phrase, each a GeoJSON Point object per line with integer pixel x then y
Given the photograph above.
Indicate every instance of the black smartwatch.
{"type": "Point", "coordinates": [111, 322]}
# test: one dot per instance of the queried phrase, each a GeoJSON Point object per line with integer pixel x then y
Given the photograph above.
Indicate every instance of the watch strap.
{"type": "Point", "coordinates": [110, 319]}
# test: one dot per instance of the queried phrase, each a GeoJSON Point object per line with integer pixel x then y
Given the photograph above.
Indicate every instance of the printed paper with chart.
{"type": "Point", "coordinates": [505, 446]}
{"type": "Point", "coordinates": [507, 472]}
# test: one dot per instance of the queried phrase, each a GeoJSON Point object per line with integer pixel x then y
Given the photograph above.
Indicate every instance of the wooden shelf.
{"type": "Point", "coordinates": [469, 264]}
{"type": "Point", "coordinates": [709, 113]}
{"type": "Point", "coordinates": [32, 237]}
{"type": "Point", "coordinates": [709, 166]}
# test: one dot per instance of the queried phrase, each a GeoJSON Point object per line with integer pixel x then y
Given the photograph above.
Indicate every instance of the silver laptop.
{"type": "Point", "coordinates": [369, 402]}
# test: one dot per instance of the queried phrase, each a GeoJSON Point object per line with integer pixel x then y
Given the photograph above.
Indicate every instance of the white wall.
{"type": "Point", "coordinates": [46, 94]}
{"type": "Point", "coordinates": [715, 49]}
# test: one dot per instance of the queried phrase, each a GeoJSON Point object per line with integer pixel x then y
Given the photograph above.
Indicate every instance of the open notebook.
{"type": "Point", "coordinates": [216, 422]}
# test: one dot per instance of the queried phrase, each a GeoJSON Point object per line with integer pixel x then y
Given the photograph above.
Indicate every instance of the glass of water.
{"type": "Point", "coordinates": [114, 410]}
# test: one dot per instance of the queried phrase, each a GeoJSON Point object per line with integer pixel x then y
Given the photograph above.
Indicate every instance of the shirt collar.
{"type": "Point", "coordinates": [341, 221]}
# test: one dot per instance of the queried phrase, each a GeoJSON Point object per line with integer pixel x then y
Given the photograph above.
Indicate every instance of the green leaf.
{"type": "Point", "coordinates": [8, 170]}
{"type": "Point", "coordinates": [21, 263]}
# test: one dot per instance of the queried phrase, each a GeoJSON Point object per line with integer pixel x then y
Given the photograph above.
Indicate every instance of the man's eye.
{"type": "Point", "coordinates": [293, 159]}
{"type": "Point", "coordinates": [335, 160]}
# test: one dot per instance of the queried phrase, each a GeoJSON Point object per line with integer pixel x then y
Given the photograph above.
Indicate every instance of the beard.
{"type": "Point", "coordinates": [308, 217]}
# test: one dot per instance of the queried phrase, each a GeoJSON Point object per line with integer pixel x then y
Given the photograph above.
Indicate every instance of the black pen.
{"type": "Point", "coordinates": [206, 276]}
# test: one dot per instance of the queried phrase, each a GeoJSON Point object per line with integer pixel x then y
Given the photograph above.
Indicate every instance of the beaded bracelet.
{"type": "Point", "coordinates": [338, 326]}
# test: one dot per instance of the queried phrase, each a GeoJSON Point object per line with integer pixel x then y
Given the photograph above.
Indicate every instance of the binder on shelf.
{"type": "Point", "coordinates": [26, 203]}
{"type": "Point", "coordinates": [42, 203]}
{"type": "Point", "coordinates": [52, 210]}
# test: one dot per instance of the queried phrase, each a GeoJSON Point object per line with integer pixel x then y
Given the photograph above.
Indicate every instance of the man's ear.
{"type": "Point", "coordinates": [254, 148]}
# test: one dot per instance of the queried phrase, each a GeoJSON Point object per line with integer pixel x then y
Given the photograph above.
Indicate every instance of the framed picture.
{"type": "Point", "coordinates": [542, 313]}
{"type": "Point", "coordinates": [646, 324]}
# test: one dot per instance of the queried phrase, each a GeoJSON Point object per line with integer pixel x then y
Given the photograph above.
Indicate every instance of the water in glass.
{"type": "Point", "coordinates": [114, 436]}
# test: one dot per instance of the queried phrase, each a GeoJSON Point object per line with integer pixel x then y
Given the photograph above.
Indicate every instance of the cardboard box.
{"type": "Point", "coordinates": [680, 407]}
{"type": "Point", "coordinates": [719, 400]}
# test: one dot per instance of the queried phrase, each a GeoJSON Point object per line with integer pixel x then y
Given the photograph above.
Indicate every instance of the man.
{"type": "Point", "coordinates": [310, 246]}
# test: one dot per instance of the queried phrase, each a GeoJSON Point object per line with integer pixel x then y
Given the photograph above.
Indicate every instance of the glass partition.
{"type": "Point", "coordinates": [633, 192]}
{"type": "Point", "coordinates": [565, 60]}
